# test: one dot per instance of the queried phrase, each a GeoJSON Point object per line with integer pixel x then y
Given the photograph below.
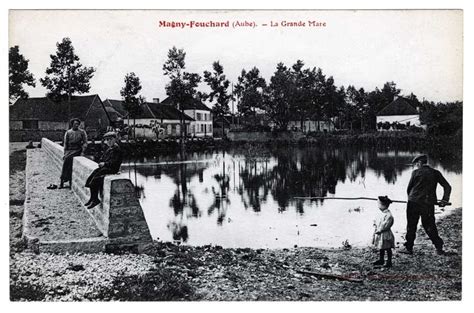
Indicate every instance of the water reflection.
{"type": "Point", "coordinates": [208, 194]}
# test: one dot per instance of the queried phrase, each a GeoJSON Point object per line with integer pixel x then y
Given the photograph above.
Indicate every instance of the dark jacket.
{"type": "Point", "coordinates": [422, 186]}
{"type": "Point", "coordinates": [112, 159]}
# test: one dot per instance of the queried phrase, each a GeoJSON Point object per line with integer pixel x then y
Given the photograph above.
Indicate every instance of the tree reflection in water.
{"type": "Point", "coordinates": [270, 174]}
{"type": "Point", "coordinates": [221, 197]}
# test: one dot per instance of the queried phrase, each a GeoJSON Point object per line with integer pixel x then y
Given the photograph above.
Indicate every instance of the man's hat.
{"type": "Point", "coordinates": [423, 158]}
{"type": "Point", "coordinates": [110, 134]}
{"type": "Point", "coordinates": [385, 200]}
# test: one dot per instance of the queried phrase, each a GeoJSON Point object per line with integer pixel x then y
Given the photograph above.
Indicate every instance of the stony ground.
{"type": "Point", "coordinates": [53, 214]}
{"type": "Point", "coordinates": [170, 272]}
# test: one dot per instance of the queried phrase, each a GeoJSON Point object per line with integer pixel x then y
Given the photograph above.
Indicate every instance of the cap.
{"type": "Point", "coordinates": [423, 158]}
{"type": "Point", "coordinates": [385, 199]}
{"type": "Point", "coordinates": [110, 134]}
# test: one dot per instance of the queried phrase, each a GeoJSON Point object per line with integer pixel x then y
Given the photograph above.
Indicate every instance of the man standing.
{"type": "Point", "coordinates": [109, 164]}
{"type": "Point", "coordinates": [421, 201]}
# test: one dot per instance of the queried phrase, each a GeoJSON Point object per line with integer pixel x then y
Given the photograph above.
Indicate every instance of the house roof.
{"type": "Point", "coordinates": [116, 105]}
{"type": "Point", "coordinates": [150, 110]}
{"type": "Point", "coordinates": [169, 112]}
{"type": "Point", "coordinates": [194, 104]}
{"type": "Point", "coordinates": [45, 109]}
{"type": "Point", "coordinates": [400, 106]}
{"type": "Point", "coordinates": [112, 113]}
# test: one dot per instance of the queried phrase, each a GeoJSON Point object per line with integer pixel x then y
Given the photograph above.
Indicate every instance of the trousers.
{"type": "Point", "coordinates": [426, 212]}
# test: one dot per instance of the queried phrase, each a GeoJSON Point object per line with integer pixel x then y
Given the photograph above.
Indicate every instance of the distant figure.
{"type": "Point", "coordinates": [109, 164]}
{"type": "Point", "coordinates": [421, 201]}
{"type": "Point", "coordinates": [383, 236]}
{"type": "Point", "coordinates": [75, 144]}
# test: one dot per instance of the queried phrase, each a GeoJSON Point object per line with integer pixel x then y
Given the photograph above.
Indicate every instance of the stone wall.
{"type": "Point", "coordinates": [126, 222]}
{"type": "Point", "coordinates": [119, 216]}
{"type": "Point", "coordinates": [54, 151]}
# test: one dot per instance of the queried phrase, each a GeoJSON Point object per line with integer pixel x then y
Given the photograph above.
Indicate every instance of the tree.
{"type": "Point", "coordinates": [18, 74]}
{"type": "Point", "coordinates": [442, 118]}
{"type": "Point", "coordinates": [132, 103]}
{"type": "Point", "coordinates": [219, 84]}
{"type": "Point", "coordinates": [66, 76]}
{"type": "Point", "coordinates": [330, 99]}
{"type": "Point", "coordinates": [182, 86]}
{"type": "Point", "coordinates": [357, 107]}
{"type": "Point", "coordinates": [306, 91]}
{"type": "Point", "coordinates": [388, 92]}
{"type": "Point", "coordinates": [280, 96]}
{"type": "Point", "coordinates": [249, 90]}
{"type": "Point", "coordinates": [317, 82]}
{"type": "Point", "coordinates": [339, 99]}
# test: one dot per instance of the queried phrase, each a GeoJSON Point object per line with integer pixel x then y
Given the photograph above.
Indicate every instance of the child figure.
{"type": "Point", "coordinates": [383, 236]}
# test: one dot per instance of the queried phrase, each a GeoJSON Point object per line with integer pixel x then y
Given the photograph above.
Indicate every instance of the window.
{"type": "Point", "coordinates": [198, 116]}
{"type": "Point", "coordinates": [30, 124]}
{"type": "Point", "coordinates": [168, 129]}
{"type": "Point", "coordinates": [202, 128]}
{"type": "Point", "coordinates": [178, 129]}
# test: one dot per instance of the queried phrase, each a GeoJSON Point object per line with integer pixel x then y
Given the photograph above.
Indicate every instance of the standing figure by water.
{"type": "Point", "coordinates": [75, 144]}
{"type": "Point", "coordinates": [109, 163]}
{"type": "Point", "coordinates": [421, 201]}
{"type": "Point", "coordinates": [384, 240]}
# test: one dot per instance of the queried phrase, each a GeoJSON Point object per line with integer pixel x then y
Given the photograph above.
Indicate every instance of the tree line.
{"type": "Point", "coordinates": [293, 93]}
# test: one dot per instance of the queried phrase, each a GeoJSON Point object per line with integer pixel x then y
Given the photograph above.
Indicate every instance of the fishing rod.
{"type": "Point", "coordinates": [359, 198]}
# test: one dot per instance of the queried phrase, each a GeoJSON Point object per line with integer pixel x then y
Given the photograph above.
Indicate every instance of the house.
{"type": "Point", "coordinates": [156, 120]}
{"type": "Point", "coordinates": [398, 114]}
{"type": "Point", "coordinates": [34, 118]}
{"type": "Point", "coordinates": [201, 126]}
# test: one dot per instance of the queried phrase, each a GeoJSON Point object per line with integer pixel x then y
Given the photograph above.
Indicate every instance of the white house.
{"type": "Point", "coordinates": [400, 111]}
{"type": "Point", "coordinates": [201, 124]}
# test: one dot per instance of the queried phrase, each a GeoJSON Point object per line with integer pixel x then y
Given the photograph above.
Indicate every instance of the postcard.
{"type": "Point", "coordinates": [236, 155]}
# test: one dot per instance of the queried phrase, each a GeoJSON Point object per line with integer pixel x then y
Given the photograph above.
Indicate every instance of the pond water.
{"type": "Point", "coordinates": [246, 197]}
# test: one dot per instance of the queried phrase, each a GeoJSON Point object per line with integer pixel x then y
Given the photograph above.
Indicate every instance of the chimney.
{"type": "Point", "coordinates": [156, 100]}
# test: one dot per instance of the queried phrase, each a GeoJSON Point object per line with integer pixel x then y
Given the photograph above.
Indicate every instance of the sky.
{"type": "Point", "coordinates": [420, 50]}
